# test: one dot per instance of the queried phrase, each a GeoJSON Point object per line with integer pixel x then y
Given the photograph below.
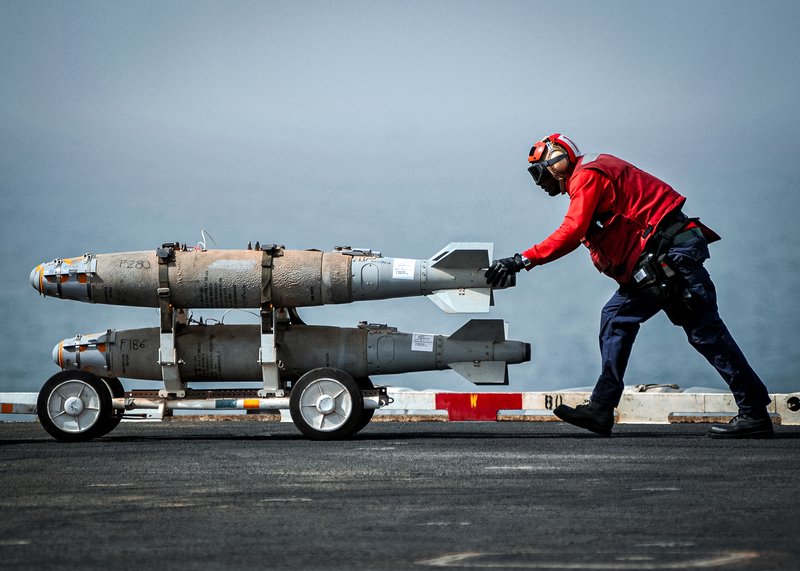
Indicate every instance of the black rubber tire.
{"type": "Point", "coordinates": [117, 391]}
{"type": "Point", "coordinates": [96, 428]}
{"type": "Point", "coordinates": [347, 427]}
{"type": "Point", "coordinates": [364, 383]}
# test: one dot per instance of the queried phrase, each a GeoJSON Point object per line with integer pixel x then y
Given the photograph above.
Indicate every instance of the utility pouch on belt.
{"type": "Point", "coordinates": [656, 277]}
{"type": "Point", "coordinates": [680, 304]}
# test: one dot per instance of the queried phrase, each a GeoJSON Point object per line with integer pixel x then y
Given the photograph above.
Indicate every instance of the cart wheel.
{"type": "Point", "coordinates": [74, 406]}
{"type": "Point", "coordinates": [117, 391]}
{"type": "Point", "coordinates": [326, 404]}
{"type": "Point", "coordinates": [364, 383]}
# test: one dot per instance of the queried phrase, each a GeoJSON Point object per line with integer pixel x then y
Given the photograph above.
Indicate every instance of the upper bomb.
{"type": "Point", "coordinates": [197, 278]}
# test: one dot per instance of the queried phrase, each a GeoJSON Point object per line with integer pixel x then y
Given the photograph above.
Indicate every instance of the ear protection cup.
{"type": "Point", "coordinates": [561, 166]}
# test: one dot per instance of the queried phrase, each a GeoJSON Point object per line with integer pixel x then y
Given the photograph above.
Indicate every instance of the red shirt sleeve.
{"type": "Point", "coordinates": [588, 190]}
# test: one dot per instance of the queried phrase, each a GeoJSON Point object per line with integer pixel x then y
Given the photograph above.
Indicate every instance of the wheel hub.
{"type": "Point", "coordinates": [326, 404]}
{"type": "Point", "coordinates": [73, 406]}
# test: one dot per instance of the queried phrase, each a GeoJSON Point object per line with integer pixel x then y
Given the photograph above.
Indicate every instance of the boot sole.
{"type": "Point", "coordinates": [763, 434]}
{"type": "Point", "coordinates": [602, 431]}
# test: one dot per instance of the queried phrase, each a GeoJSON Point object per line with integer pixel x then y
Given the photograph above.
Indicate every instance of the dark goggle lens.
{"type": "Point", "coordinates": [537, 172]}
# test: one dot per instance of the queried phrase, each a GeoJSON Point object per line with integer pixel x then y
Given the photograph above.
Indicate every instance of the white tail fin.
{"type": "Point", "coordinates": [482, 372]}
{"type": "Point", "coordinates": [463, 260]}
{"type": "Point", "coordinates": [481, 330]}
{"type": "Point", "coordinates": [462, 300]}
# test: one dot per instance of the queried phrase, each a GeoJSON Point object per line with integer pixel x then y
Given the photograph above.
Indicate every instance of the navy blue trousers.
{"type": "Point", "coordinates": [628, 309]}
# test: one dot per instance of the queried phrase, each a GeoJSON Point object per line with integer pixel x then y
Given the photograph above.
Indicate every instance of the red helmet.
{"type": "Point", "coordinates": [548, 168]}
{"type": "Point", "coordinates": [539, 150]}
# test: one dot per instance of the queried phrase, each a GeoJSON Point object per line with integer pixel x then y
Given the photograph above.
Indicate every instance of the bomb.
{"type": "Point", "coordinates": [478, 351]}
{"type": "Point", "coordinates": [198, 278]}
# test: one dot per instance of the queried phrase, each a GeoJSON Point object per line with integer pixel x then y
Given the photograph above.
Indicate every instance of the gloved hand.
{"type": "Point", "coordinates": [503, 272]}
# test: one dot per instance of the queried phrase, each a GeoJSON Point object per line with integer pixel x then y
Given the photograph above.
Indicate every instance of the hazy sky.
{"type": "Point", "coordinates": [400, 126]}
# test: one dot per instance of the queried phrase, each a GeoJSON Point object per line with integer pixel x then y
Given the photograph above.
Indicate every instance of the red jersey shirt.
{"type": "Point", "coordinates": [614, 209]}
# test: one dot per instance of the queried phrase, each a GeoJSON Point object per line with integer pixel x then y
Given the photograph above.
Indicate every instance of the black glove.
{"type": "Point", "coordinates": [503, 272]}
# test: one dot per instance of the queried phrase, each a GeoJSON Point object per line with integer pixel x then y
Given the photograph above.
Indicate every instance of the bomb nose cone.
{"type": "Point", "coordinates": [57, 353]}
{"type": "Point", "coordinates": [66, 278]}
{"type": "Point", "coordinates": [36, 278]}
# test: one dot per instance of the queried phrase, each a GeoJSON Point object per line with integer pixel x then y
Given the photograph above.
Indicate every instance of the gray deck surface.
{"type": "Point", "coordinates": [191, 495]}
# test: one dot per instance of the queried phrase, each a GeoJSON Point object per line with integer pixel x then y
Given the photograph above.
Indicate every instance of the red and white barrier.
{"type": "Point", "coordinates": [634, 408]}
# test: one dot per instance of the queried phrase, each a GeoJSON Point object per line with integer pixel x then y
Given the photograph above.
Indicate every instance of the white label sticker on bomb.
{"type": "Point", "coordinates": [422, 342]}
{"type": "Point", "coordinates": [403, 269]}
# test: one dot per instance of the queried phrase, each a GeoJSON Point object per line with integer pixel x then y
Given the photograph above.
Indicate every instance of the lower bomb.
{"type": "Point", "coordinates": [478, 351]}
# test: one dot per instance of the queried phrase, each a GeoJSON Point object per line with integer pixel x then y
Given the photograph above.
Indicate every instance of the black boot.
{"type": "Point", "coordinates": [744, 426]}
{"type": "Point", "coordinates": [593, 416]}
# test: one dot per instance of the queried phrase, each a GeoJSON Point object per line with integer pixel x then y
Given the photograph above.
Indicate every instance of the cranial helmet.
{"type": "Point", "coordinates": [551, 159]}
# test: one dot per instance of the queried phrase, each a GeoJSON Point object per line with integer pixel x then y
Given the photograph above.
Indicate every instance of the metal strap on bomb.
{"type": "Point", "coordinates": [267, 254]}
{"type": "Point", "coordinates": [267, 353]}
{"type": "Point", "coordinates": [87, 352]}
{"type": "Point", "coordinates": [69, 277]}
{"type": "Point", "coordinates": [167, 354]}
{"type": "Point", "coordinates": [165, 255]}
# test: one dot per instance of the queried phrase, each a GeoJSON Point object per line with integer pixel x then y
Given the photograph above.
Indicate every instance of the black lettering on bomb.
{"type": "Point", "coordinates": [214, 292]}
{"type": "Point", "coordinates": [127, 344]}
{"type": "Point", "coordinates": [134, 264]}
{"type": "Point", "coordinates": [207, 361]}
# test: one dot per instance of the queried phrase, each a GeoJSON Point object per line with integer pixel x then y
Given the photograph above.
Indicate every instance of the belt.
{"type": "Point", "coordinates": [686, 235]}
{"type": "Point", "coordinates": [672, 223]}
{"type": "Point", "coordinates": [675, 228]}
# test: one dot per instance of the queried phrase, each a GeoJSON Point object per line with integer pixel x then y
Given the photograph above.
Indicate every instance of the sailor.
{"type": "Point", "coordinates": [636, 232]}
